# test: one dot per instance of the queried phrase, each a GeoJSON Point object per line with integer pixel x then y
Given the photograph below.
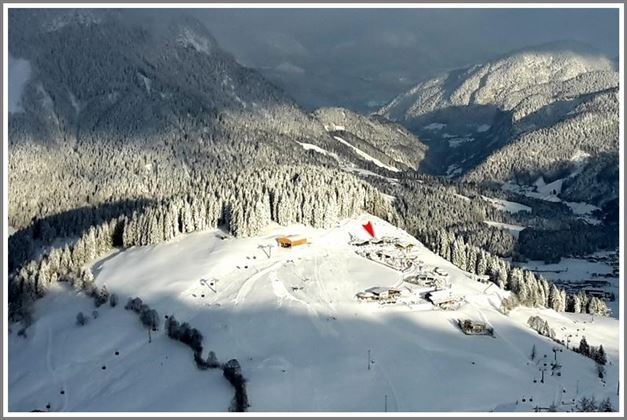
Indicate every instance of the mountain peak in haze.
{"type": "Point", "coordinates": [500, 82]}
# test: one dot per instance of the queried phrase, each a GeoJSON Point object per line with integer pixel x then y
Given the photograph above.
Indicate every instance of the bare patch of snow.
{"type": "Point", "coordinates": [453, 170]}
{"type": "Point", "coordinates": [147, 82]}
{"type": "Point", "coordinates": [290, 68]}
{"type": "Point", "coordinates": [508, 206]}
{"type": "Point", "coordinates": [75, 104]}
{"type": "Point", "coordinates": [458, 141]}
{"type": "Point", "coordinates": [514, 229]}
{"type": "Point", "coordinates": [366, 155]}
{"type": "Point", "coordinates": [188, 38]}
{"type": "Point", "coordinates": [308, 146]}
{"type": "Point", "coordinates": [19, 74]}
{"type": "Point", "coordinates": [434, 126]}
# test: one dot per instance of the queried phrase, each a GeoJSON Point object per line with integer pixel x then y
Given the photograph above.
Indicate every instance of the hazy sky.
{"type": "Point", "coordinates": [352, 57]}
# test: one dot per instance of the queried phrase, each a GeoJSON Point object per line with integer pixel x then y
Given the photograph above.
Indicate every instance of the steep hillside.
{"type": "Point", "coordinates": [374, 135]}
{"type": "Point", "coordinates": [514, 82]}
{"type": "Point", "coordinates": [525, 115]}
{"type": "Point", "coordinates": [127, 105]}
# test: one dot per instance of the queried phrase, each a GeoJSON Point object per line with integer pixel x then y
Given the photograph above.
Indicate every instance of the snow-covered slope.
{"type": "Point", "coordinates": [521, 116]}
{"type": "Point", "coordinates": [293, 322]}
{"type": "Point", "coordinates": [520, 82]}
{"type": "Point", "coordinates": [376, 135]}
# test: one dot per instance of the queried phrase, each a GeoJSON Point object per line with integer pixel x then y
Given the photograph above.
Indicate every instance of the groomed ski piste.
{"type": "Point", "coordinates": [302, 338]}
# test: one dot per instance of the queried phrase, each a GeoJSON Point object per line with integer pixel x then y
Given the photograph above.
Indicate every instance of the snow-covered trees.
{"type": "Point", "coordinates": [149, 317]}
{"type": "Point", "coordinates": [81, 319]}
{"type": "Point", "coordinates": [586, 404]}
{"type": "Point", "coordinates": [584, 348]}
{"type": "Point", "coordinates": [184, 333]}
{"type": "Point", "coordinates": [541, 326]}
{"type": "Point", "coordinates": [232, 371]}
{"type": "Point", "coordinates": [134, 304]}
{"type": "Point", "coordinates": [595, 353]}
{"type": "Point", "coordinates": [243, 202]}
{"type": "Point", "coordinates": [606, 406]}
{"type": "Point", "coordinates": [102, 296]}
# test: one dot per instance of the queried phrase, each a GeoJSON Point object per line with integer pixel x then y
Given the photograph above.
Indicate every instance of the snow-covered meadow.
{"type": "Point", "coordinates": [292, 320]}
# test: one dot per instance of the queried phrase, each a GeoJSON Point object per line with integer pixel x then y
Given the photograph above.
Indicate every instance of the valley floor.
{"type": "Point", "coordinates": [301, 336]}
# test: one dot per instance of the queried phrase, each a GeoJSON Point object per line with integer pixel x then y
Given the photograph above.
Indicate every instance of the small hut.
{"type": "Point", "coordinates": [470, 327]}
{"type": "Point", "coordinates": [291, 241]}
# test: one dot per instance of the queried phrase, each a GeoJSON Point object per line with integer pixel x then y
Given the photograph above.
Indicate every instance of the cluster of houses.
{"type": "Point", "coordinates": [430, 285]}
{"type": "Point", "coordinates": [390, 252]}
{"type": "Point", "coordinates": [611, 259]}
{"type": "Point", "coordinates": [591, 287]}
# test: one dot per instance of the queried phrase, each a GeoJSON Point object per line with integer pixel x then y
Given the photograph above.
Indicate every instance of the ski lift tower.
{"type": "Point", "coordinates": [267, 249]}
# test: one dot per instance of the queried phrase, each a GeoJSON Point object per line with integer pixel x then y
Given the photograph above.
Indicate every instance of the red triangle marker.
{"type": "Point", "coordinates": [369, 228]}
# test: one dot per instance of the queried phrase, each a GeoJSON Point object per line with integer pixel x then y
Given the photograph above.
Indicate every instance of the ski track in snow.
{"type": "Point", "coordinates": [250, 282]}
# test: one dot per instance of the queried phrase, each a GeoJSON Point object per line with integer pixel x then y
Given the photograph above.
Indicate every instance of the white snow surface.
{"type": "Point", "coordinates": [508, 206]}
{"type": "Point", "coordinates": [514, 229]}
{"type": "Point", "coordinates": [309, 146]}
{"type": "Point", "coordinates": [458, 141]}
{"type": "Point", "coordinates": [549, 192]}
{"type": "Point", "coordinates": [19, 74]}
{"type": "Point", "coordinates": [294, 324]}
{"type": "Point", "coordinates": [366, 155]}
{"type": "Point", "coordinates": [434, 126]}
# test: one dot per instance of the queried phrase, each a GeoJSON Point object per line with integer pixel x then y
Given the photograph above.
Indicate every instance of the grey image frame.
{"type": "Point", "coordinates": [158, 4]}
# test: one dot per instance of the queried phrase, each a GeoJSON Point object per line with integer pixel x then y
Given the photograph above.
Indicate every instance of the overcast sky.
{"type": "Point", "coordinates": [361, 57]}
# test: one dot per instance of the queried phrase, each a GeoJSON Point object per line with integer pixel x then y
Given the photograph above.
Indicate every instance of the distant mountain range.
{"type": "Point", "coordinates": [548, 111]}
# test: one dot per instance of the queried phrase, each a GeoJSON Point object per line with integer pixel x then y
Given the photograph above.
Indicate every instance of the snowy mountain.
{"type": "Point", "coordinates": [146, 163]}
{"type": "Point", "coordinates": [525, 115]}
{"type": "Point", "coordinates": [304, 341]}
{"type": "Point", "coordinates": [543, 75]}
{"type": "Point", "coordinates": [131, 104]}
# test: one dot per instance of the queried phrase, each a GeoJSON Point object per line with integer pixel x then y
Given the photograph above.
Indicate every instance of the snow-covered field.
{"type": "Point", "coordinates": [514, 229]}
{"type": "Point", "coordinates": [508, 206]}
{"type": "Point", "coordinates": [550, 191]}
{"type": "Point", "coordinates": [302, 338]}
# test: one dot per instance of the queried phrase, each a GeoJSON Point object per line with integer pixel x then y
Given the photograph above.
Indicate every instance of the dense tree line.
{"type": "Point", "coordinates": [285, 195]}
{"type": "Point", "coordinates": [231, 370]}
{"type": "Point", "coordinates": [579, 239]}
{"type": "Point", "coordinates": [541, 326]}
{"type": "Point", "coordinates": [431, 212]}
{"type": "Point", "coordinates": [588, 405]}
{"type": "Point", "coordinates": [595, 353]}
